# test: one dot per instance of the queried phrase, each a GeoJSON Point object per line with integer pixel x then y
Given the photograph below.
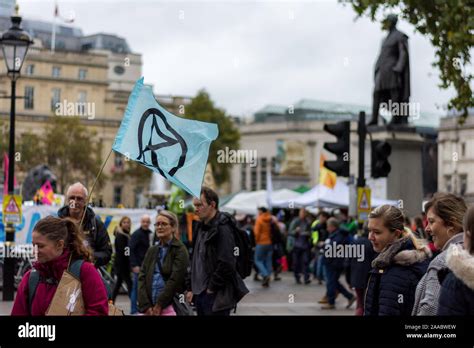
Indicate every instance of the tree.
{"type": "Point", "coordinates": [202, 108]}
{"type": "Point", "coordinates": [30, 150]}
{"type": "Point", "coordinates": [449, 25]}
{"type": "Point", "coordinates": [72, 152]}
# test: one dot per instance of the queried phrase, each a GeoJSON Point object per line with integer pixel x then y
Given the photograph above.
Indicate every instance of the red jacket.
{"type": "Point", "coordinates": [94, 292]}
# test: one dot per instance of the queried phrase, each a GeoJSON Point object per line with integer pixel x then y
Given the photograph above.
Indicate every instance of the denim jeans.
{"type": "Point", "coordinates": [321, 269]}
{"type": "Point", "coordinates": [333, 284]}
{"type": "Point", "coordinates": [134, 295]}
{"type": "Point", "coordinates": [263, 259]}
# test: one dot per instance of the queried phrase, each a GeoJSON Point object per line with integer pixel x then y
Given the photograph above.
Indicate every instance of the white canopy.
{"type": "Point", "coordinates": [248, 202]}
{"type": "Point", "coordinates": [323, 196]}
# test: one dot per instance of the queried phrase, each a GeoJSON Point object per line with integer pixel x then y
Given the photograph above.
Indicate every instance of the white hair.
{"type": "Point", "coordinates": [78, 184]}
{"type": "Point", "coordinates": [145, 216]}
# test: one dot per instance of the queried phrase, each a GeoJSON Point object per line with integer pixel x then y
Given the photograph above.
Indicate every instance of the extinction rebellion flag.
{"type": "Point", "coordinates": [175, 147]}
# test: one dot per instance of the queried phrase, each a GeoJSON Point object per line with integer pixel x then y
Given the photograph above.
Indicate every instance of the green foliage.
{"type": "Point", "coordinates": [72, 152]}
{"type": "Point", "coordinates": [202, 108]}
{"type": "Point", "coordinates": [28, 145]}
{"type": "Point", "coordinates": [449, 25]}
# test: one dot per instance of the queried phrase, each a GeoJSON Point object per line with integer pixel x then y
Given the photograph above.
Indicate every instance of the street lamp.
{"type": "Point", "coordinates": [15, 42]}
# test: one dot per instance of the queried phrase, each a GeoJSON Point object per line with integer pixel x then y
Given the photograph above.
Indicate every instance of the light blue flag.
{"type": "Point", "coordinates": [175, 147]}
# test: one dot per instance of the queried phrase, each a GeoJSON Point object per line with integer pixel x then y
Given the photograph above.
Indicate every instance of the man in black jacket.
{"type": "Point", "coordinates": [335, 264]}
{"type": "Point", "coordinates": [93, 228]}
{"type": "Point", "coordinates": [215, 284]}
{"type": "Point", "coordinates": [139, 244]}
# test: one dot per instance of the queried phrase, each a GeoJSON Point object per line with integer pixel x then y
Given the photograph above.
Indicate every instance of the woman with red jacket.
{"type": "Point", "coordinates": [57, 241]}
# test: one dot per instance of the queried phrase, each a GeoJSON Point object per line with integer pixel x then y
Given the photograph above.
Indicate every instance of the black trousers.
{"type": "Point", "coordinates": [122, 275]}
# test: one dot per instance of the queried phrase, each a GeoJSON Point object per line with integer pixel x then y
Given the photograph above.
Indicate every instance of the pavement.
{"type": "Point", "coordinates": [283, 297]}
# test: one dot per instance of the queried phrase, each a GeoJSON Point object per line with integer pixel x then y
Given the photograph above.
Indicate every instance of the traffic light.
{"type": "Point", "coordinates": [341, 148]}
{"type": "Point", "coordinates": [381, 150]}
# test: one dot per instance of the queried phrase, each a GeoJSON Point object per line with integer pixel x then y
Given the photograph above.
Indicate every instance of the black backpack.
{"type": "Point", "coordinates": [275, 233]}
{"type": "Point", "coordinates": [244, 256]}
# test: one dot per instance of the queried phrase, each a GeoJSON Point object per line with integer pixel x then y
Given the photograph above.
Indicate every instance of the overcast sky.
{"type": "Point", "coordinates": [248, 54]}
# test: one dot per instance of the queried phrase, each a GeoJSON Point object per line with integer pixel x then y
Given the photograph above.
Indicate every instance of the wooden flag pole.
{"type": "Point", "coordinates": [93, 186]}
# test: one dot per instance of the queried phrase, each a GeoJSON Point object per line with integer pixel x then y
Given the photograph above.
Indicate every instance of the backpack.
{"type": "Point", "coordinates": [244, 256]}
{"type": "Point", "coordinates": [74, 269]}
{"type": "Point", "coordinates": [275, 233]}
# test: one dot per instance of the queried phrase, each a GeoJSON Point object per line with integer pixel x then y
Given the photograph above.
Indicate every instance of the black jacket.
{"type": "Point", "coordinates": [96, 235]}
{"type": "Point", "coordinates": [457, 284]}
{"type": "Point", "coordinates": [220, 262]}
{"type": "Point", "coordinates": [174, 269]}
{"type": "Point", "coordinates": [122, 258]}
{"type": "Point", "coordinates": [393, 279]}
{"type": "Point", "coordinates": [360, 268]}
{"type": "Point", "coordinates": [336, 238]}
{"type": "Point", "coordinates": [139, 245]}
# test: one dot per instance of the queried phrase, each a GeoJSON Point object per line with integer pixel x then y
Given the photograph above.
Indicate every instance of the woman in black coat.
{"type": "Point", "coordinates": [398, 267]}
{"type": "Point", "coordinates": [457, 288]}
{"type": "Point", "coordinates": [122, 258]}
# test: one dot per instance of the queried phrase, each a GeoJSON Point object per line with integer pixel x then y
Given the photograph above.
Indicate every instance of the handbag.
{"type": "Point", "coordinates": [181, 307]}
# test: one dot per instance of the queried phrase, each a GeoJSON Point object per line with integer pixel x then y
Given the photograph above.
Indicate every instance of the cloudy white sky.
{"type": "Point", "coordinates": [248, 54]}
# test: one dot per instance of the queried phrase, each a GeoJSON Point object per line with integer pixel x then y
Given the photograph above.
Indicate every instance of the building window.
{"type": "Point", "coordinates": [447, 183]}
{"type": "Point", "coordinates": [118, 163]}
{"type": "Point", "coordinates": [29, 97]}
{"type": "Point", "coordinates": [117, 195]}
{"type": "Point", "coordinates": [274, 165]}
{"type": "Point", "coordinates": [82, 74]}
{"type": "Point", "coordinates": [253, 178]}
{"type": "Point", "coordinates": [55, 98]}
{"type": "Point", "coordinates": [463, 150]}
{"type": "Point", "coordinates": [138, 194]}
{"type": "Point", "coordinates": [56, 71]}
{"type": "Point", "coordinates": [462, 184]}
{"type": "Point", "coordinates": [263, 173]}
{"type": "Point", "coordinates": [243, 176]}
{"type": "Point", "coordinates": [119, 70]}
{"type": "Point", "coordinates": [81, 105]}
{"type": "Point", "coordinates": [30, 69]}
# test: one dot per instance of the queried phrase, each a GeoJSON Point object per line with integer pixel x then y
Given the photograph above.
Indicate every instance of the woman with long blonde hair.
{"type": "Point", "coordinates": [400, 264]}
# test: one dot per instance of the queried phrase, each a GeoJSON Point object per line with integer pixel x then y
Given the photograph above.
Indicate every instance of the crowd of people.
{"type": "Point", "coordinates": [419, 266]}
{"type": "Point", "coordinates": [162, 276]}
{"type": "Point", "coordinates": [423, 266]}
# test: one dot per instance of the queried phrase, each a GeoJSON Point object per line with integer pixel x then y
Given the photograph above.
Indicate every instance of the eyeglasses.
{"type": "Point", "coordinates": [76, 198]}
{"type": "Point", "coordinates": [163, 224]}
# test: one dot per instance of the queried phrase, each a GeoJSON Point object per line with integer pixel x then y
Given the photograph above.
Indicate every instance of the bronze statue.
{"type": "Point", "coordinates": [392, 75]}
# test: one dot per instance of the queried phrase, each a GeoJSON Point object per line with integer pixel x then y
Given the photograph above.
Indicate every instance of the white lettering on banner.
{"type": "Point", "coordinates": [37, 331]}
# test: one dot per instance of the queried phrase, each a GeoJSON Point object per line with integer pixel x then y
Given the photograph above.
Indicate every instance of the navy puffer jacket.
{"type": "Point", "coordinates": [393, 279]}
{"type": "Point", "coordinates": [457, 285]}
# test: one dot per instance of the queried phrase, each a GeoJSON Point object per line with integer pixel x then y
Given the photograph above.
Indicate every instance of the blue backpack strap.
{"type": "Point", "coordinates": [33, 282]}
{"type": "Point", "coordinates": [75, 268]}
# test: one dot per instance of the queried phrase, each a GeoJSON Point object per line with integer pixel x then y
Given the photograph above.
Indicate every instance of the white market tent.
{"type": "Point", "coordinates": [248, 202]}
{"type": "Point", "coordinates": [323, 196]}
